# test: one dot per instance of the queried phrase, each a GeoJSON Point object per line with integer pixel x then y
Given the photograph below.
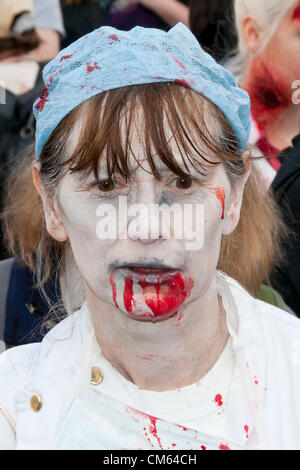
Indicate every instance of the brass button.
{"type": "Point", "coordinates": [96, 376]}
{"type": "Point", "coordinates": [36, 402]}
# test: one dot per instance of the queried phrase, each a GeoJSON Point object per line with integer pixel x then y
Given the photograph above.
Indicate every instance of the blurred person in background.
{"type": "Point", "coordinates": [48, 26]}
{"type": "Point", "coordinates": [17, 27]}
{"type": "Point", "coordinates": [170, 11]}
{"type": "Point", "coordinates": [268, 68]}
{"type": "Point", "coordinates": [125, 14]}
{"type": "Point", "coordinates": [81, 17]}
{"type": "Point", "coordinates": [212, 22]}
{"type": "Point", "coordinates": [30, 36]}
{"type": "Point", "coordinates": [286, 187]}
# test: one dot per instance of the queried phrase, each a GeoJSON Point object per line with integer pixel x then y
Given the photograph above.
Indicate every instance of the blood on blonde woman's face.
{"type": "Point", "coordinates": [273, 71]}
{"type": "Point", "coordinates": [147, 278]}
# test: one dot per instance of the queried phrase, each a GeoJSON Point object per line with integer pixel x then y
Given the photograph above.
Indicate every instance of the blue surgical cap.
{"type": "Point", "coordinates": [106, 59]}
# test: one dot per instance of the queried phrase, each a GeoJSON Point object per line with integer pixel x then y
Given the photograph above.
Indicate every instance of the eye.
{"type": "Point", "coordinates": [105, 186]}
{"type": "Point", "coordinates": [184, 183]}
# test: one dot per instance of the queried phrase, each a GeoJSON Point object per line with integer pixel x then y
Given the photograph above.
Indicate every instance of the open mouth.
{"type": "Point", "coordinates": [150, 270]}
{"type": "Point", "coordinates": [155, 275]}
{"type": "Point", "coordinates": [149, 291]}
{"type": "Point", "coordinates": [147, 267]}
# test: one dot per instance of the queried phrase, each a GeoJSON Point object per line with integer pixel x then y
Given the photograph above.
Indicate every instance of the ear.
{"type": "Point", "coordinates": [252, 34]}
{"type": "Point", "coordinates": [233, 211]}
{"type": "Point", "coordinates": [54, 222]}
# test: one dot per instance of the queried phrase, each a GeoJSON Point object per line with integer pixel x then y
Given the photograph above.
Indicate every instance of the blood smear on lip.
{"type": "Point", "coordinates": [165, 296]}
{"type": "Point", "coordinates": [114, 290]}
{"type": "Point", "coordinates": [128, 293]}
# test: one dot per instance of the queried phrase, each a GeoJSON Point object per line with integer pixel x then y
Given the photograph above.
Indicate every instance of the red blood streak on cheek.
{"type": "Point", "coordinates": [90, 68]}
{"type": "Point", "coordinates": [182, 81]}
{"type": "Point", "coordinates": [246, 428]}
{"type": "Point", "coordinates": [220, 193]}
{"type": "Point", "coordinates": [218, 400]}
{"type": "Point", "coordinates": [268, 91]}
{"type": "Point", "coordinates": [113, 287]}
{"type": "Point", "coordinates": [224, 447]}
{"type": "Point", "coordinates": [296, 14]}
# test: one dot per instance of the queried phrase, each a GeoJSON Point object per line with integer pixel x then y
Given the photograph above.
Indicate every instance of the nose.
{"type": "Point", "coordinates": [143, 219]}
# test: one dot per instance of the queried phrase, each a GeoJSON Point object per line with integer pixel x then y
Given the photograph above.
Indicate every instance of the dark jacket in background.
{"type": "Point", "coordinates": [23, 307]}
{"type": "Point", "coordinates": [80, 20]}
{"type": "Point", "coordinates": [287, 191]}
{"type": "Point", "coordinates": [17, 132]}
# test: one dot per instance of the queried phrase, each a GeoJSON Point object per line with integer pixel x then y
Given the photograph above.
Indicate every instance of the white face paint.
{"type": "Point", "coordinates": [147, 279]}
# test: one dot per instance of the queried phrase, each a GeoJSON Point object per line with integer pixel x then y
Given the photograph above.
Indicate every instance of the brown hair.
{"type": "Point", "coordinates": [24, 43]}
{"type": "Point", "coordinates": [199, 129]}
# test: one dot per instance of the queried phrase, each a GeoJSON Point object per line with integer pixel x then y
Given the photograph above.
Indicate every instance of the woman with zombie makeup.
{"type": "Point", "coordinates": [165, 349]}
{"type": "Point", "coordinates": [268, 68]}
{"type": "Point", "coordinates": [269, 51]}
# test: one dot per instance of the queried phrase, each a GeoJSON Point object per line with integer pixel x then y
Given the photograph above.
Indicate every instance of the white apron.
{"type": "Point", "coordinates": [77, 415]}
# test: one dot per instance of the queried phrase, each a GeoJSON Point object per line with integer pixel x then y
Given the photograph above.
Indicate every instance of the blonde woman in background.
{"type": "Point", "coordinates": [267, 67]}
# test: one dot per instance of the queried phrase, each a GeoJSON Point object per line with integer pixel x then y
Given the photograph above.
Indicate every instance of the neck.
{"type": "Point", "coordinates": [271, 104]}
{"type": "Point", "coordinates": [165, 355]}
